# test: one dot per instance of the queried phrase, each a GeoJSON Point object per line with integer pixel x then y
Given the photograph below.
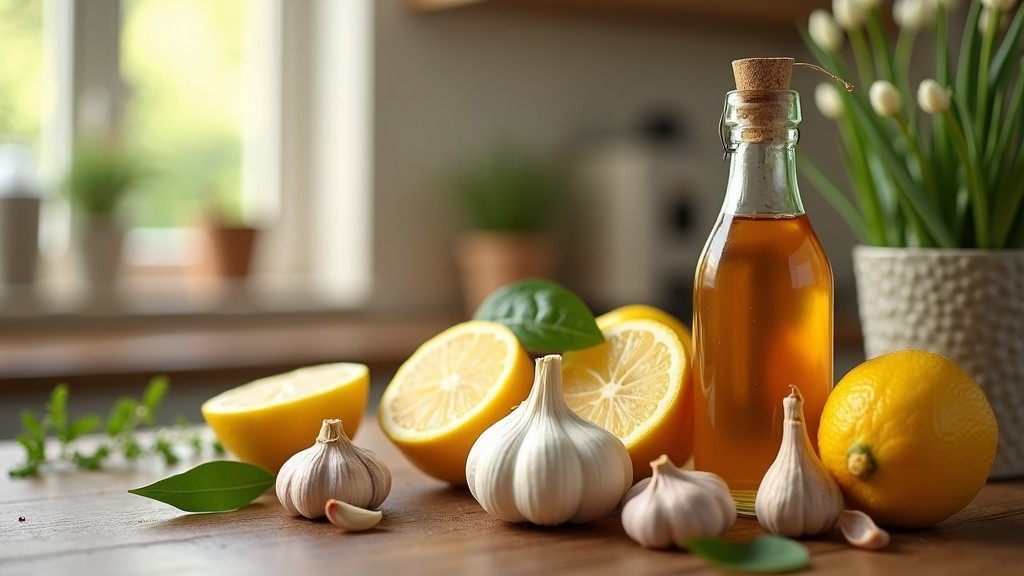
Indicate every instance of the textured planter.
{"type": "Point", "coordinates": [967, 305]}
{"type": "Point", "coordinates": [489, 260]}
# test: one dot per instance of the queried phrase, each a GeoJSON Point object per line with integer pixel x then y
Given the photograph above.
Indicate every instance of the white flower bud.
{"type": "Point", "coordinates": [985, 18]}
{"type": "Point", "coordinates": [848, 14]}
{"type": "Point", "coordinates": [932, 98]}
{"type": "Point", "coordinates": [885, 98]}
{"type": "Point", "coordinates": [913, 14]}
{"type": "Point", "coordinates": [999, 5]}
{"type": "Point", "coordinates": [824, 31]}
{"type": "Point", "coordinates": [828, 100]}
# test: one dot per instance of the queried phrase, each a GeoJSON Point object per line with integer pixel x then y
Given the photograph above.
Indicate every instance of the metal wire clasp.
{"type": "Point", "coordinates": [723, 133]}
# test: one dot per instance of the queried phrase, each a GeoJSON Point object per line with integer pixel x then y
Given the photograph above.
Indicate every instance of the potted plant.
{"type": "Point", "coordinates": [99, 179]}
{"type": "Point", "coordinates": [229, 242]}
{"type": "Point", "coordinates": [935, 168]}
{"type": "Point", "coordinates": [507, 199]}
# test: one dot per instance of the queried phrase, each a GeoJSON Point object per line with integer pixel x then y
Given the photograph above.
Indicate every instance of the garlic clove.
{"type": "Point", "coordinates": [860, 530]}
{"type": "Point", "coordinates": [797, 496]}
{"type": "Point", "coordinates": [351, 518]}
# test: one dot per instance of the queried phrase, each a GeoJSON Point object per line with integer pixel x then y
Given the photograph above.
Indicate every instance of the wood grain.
{"type": "Point", "coordinates": [81, 519]}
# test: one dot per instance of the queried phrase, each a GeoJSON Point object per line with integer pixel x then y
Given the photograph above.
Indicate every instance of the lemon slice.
{"type": "Point", "coordinates": [455, 386]}
{"type": "Point", "coordinates": [265, 421]}
{"type": "Point", "coordinates": [635, 386]}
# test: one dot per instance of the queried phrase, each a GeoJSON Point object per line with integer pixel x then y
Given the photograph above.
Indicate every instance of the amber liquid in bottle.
{"type": "Point", "coordinates": [763, 312]}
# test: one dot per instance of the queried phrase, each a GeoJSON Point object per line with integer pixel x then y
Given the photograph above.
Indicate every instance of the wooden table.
{"type": "Point", "coordinates": [85, 522]}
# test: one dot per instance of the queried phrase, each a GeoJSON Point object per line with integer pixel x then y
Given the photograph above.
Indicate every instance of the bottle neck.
{"type": "Point", "coordinates": [762, 180]}
{"type": "Point", "coordinates": [762, 136]}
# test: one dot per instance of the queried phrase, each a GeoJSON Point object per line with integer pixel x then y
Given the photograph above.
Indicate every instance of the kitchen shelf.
{"type": "Point", "coordinates": [764, 14]}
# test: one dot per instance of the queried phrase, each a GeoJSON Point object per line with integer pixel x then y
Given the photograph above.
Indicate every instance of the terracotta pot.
{"type": "Point", "coordinates": [489, 260]}
{"type": "Point", "coordinates": [228, 251]}
{"type": "Point", "coordinates": [967, 305]}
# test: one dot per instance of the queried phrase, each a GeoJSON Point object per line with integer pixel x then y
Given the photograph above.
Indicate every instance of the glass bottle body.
{"type": "Point", "coordinates": [763, 317]}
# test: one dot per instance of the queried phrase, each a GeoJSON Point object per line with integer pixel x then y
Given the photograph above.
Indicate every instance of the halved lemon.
{"type": "Point", "coordinates": [646, 311]}
{"type": "Point", "coordinates": [266, 421]}
{"type": "Point", "coordinates": [452, 388]}
{"type": "Point", "coordinates": [636, 386]}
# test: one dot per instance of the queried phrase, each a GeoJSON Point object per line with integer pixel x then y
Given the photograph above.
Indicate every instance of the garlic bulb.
{"type": "Point", "coordinates": [332, 468]}
{"type": "Point", "coordinates": [674, 504]}
{"type": "Point", "coordinates": [544, 464]}
{"type": "Point", "coordinates": [797, 495]}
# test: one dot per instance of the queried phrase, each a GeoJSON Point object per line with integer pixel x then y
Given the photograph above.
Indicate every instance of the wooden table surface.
{"type": "Point", "coordinates": [85, 522]}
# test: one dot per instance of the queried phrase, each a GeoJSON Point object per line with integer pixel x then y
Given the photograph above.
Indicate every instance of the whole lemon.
{"type": "Point", "coordinates": [910, 438]}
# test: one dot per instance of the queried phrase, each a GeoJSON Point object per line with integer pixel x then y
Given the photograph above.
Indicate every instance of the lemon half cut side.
{"type": "Point", "coordinates": [266, 421]}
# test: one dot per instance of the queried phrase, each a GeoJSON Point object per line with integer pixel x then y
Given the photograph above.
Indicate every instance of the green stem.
{"type": "Point", "coordinates": [915, 148]}
{"type": "Point", "coordinates": [941, 45]}
{"type": "Point", "coordinates": [839, 201]}
{"type": "Point", "coordinates": [987, 42]}
{"type": "Point", "coordinates": [861, 55]}
{"type": "Point", "coordinates": [979, 203]}
{"type": "Point", "coordinates": [904, 51]}
{"type": "Point", "coordinates": [967, 57]}
{"type": "Point", "coordinates": [879, 45]}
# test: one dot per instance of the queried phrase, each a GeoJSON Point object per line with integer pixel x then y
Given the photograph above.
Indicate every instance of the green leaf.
{"type": "Point", "coordinates": [33, 427]}
{"type": "Point", "coordinates": [765, 553]}
{"type": "Point", "coordinates": [122, 412]}
{"type": "Point", "coordinates": [92, 461]}
{"type": "Point", "coordinates": [544, 315]}
{"type": "Point", "coordinates": [57, 411]}
{"type": "Point", "coordinates": [218, 486]}
{"type": "Point", "coordinates": [153, 396]}
{"type": "Point", "coordinates": [82, 425]}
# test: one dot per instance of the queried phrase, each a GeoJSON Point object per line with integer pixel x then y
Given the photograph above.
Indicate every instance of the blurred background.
{"type": "Point", "coordinates": [223, 190]}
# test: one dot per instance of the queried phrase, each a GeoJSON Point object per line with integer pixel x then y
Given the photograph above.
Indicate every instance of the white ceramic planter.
{"type": "Point", "coordinates": [967, 305]}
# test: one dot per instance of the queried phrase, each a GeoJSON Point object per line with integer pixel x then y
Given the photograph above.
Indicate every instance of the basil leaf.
{"type": "Point", "coordinates": [218, 486]}
{"type": "Point", "coordinates": [765, 553]}
{"type": "Point", "coordinates": [544, 315]}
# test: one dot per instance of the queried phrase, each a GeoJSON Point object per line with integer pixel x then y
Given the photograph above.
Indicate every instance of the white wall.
{"type": "Point", "coordinates": [447, 83]}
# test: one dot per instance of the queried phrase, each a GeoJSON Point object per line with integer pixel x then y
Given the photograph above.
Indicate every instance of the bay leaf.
{"type": "Point", "coordinates": [217, 486]}
{"type": "Point", "coordinates": [765, 553]}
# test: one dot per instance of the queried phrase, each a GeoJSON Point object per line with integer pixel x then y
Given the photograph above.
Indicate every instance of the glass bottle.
{"type": "Point", "coordinates": [763, 300]}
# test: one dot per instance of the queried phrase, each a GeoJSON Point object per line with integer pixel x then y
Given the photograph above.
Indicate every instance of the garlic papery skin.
{"type": "Point", "coordinates": [544, 464]}
{"type": "Point", "coordinates": [673, 505]}
{"type": "Point", "coordinates": [332, 468]}
{"type": "Point", "coordinates": [797, 495]}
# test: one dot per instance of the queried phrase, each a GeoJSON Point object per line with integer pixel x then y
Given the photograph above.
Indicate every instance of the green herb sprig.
{"type": "Point", "coordinates": [121, 426]}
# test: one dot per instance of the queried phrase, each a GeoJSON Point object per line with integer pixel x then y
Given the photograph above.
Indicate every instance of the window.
{"type": "Point", "coordinates": [208, 92]}
{"type": "Point", "coordinates": [21, 80]}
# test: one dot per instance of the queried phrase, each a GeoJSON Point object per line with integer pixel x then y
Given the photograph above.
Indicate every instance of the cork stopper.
{"type": "Point", "coordinates": [762, 73]}
{"type": "Point", "coordinates": [761, 97]}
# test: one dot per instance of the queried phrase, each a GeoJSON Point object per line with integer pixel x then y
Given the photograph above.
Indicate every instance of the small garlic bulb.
{"type": "Point", "coordinates": [332, 468]}
{"type": "Point", "coordinates": [544, 464]}
{"type": "Point", "coordinates": [797, 495]}
{"type": "Point", "coordinates": [674, 504]}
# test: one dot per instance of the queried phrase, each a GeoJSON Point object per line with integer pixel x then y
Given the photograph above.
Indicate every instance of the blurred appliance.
{"type": "Point", "coordinates": [636, 226]}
